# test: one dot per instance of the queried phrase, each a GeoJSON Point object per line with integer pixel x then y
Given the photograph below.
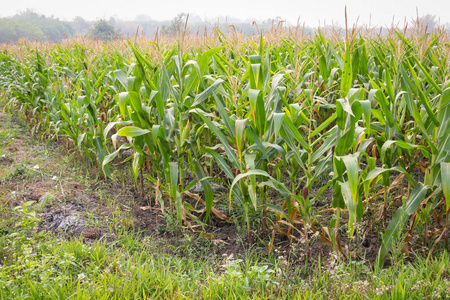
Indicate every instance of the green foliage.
{"type": "Point", "coordinates": [270, 122]}
{"type": "Point", "coordinates": [30, 25]}
{"type": "Point", "coordinates": [102, 30]}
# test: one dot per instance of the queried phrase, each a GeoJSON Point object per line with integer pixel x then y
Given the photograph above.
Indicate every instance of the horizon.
{"type": "Point", "coordinates": [358, 13]}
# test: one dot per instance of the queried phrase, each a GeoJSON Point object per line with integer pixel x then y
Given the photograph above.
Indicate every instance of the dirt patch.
{"type": "Point", "coordinates": [12, 149]}
{"type": "Point", "coordinates": [371, 246]}
{"type": "Point", "coordinates": [73, 219]}
{"type": "Point", "coordinates": [35, 191]}
{"type": "Point", "coordinates": [149, 220]}
{"type": "Point", "coordinates": [221, 238]}
{"type": "Point", "coordinates": [64, 220]}
{"type": "Point", "coordinates": [6, 161]}
{"type": "Point", "coordinates": [73, 185]}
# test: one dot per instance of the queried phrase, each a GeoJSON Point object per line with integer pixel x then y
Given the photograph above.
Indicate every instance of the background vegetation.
{"type": "Point", "coordinates": [35, 26]}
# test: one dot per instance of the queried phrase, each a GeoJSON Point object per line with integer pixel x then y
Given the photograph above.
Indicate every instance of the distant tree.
{"type": "Point", "coordinates": [103, 30]}
{"type": "Point", "coordinates": [177, 24]}
{"type": "Point", "coordinates": [28, 14]}
{"type": "Point", "coordinates": [112, 22]}
{"type": "Point", "coordinates": [31, 25]}
{"type": "Point", "coordinates": [80, 25]}
{"type": "Point", "coordinates": [13, 30]}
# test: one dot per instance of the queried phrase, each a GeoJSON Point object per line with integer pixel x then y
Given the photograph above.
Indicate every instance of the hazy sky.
{"type": "Point", "coordinates": [379, 12]}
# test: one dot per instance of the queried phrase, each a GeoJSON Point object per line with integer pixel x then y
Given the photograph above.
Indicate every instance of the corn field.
{"type": "Point", "coordinates": [278, 123]}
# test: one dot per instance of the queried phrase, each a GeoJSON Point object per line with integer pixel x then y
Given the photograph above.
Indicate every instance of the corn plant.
{"type": "Point", "coordinates": [276, 122]}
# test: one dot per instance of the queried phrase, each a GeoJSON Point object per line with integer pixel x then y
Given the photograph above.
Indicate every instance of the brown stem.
{"type": "Point", "coordinates": [306, 241]}
{"type": "Point", "coordinates": [446, 233]}
{"type": "Point", "coordinates": [264, 218]}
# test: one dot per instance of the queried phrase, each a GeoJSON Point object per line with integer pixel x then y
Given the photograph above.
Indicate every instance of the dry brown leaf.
{"type": "Point", "coordinates": [290, 226]}
{"type": "Point", "coordinates": [215, 211]}
{"type": "Point", "coordinates": [437, 241]}
{"type": "Point", "coordinates": [207, 235]}
{"type": "Point", "coordinates": [145, 207]}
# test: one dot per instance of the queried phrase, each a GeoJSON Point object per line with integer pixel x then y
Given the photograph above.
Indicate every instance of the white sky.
{"type": "Point", "coordinates": [311, 12]}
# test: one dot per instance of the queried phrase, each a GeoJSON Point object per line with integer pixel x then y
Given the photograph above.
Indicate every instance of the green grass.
{"type": "Point", "coordinates": [40, 266]}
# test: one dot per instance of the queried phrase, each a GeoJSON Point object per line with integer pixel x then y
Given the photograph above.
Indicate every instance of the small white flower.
{"type": "Point", "coordinates": [81, 276]}
{"type": "Point", "coordinates": [54, 178]}
{"type": "Point", "coordinates": [36, 167]}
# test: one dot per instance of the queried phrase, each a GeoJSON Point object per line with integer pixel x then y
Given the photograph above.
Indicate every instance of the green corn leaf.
{"type": "Point", "coordinates": [122, 100]}
{"type": "Point", "coordinates": [412, 107]}
{"type": "Point", "coordinates": [111, 125]}
{"type": "Point", "coordinates": [206, 93]}
{"type": "Point", "coordinates": [209, 194]}
{"type": "Point", "coordinates": [324, 125]}
{"type": "Point", "coordinates": [132, 131]}
{"type": "Point", "coordinates": [290, 129]}
{"type": "Point", "coordinates": [422, 98]}
{"type": "Point", "coordinates": [229, 151]}
{"type": "Point", "coordinates": [101, 153]}
{"type": "Point", "coordinates": [206, 56]}
{"type": "Point", "coordinates": [136, 164]}
{"type": "Point", "coordinates": [351, 164]}
{"type": "Point", "coordinates": [257, 111]}
{"type": "Point", "coordinates": [384, 104]}
{"type": "Point", "coordinates": [444, 150]}
{"type": "Point", "coordinates": [347, 74]}
{"type": "Point", "coordinates": [252, 194]}
{"type": "Point", "coordinates": [108, 158]}
{"type": "Point", "coordinates": [239, 132]}
{"type": "Point", "coordinates": [403, 145]}
{"type": "Point", "coordinates": [279, 186]}
{"type": "Point", "coordinates": [220, 162]}
{"type": "Point", "coordinates": [258, 143]}
{"type": "Point", "coordinates": [445, 179]}
{"type": "Point", "coordinates": [278, 119]}
{"type": "Point", "coordinates": [398, 222]}
{"type": "Point", "coordinates": [427, 75]}
{"type": "Point", "coordinates": [156, 97]}
{"type": "Point", "coordinates": [173, 172]}
{"type": "Point", "coordinates": [345, 142]}
{"type": "Point", "coordinates": [351, 204]}
{"type": "Point", "coordinates": [122, 78]}
{"type": "Point", "coordinates": [377, 171]}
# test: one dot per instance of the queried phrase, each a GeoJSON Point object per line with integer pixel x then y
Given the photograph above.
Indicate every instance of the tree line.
{"type": "Point", "coordinates": [34, 26]}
